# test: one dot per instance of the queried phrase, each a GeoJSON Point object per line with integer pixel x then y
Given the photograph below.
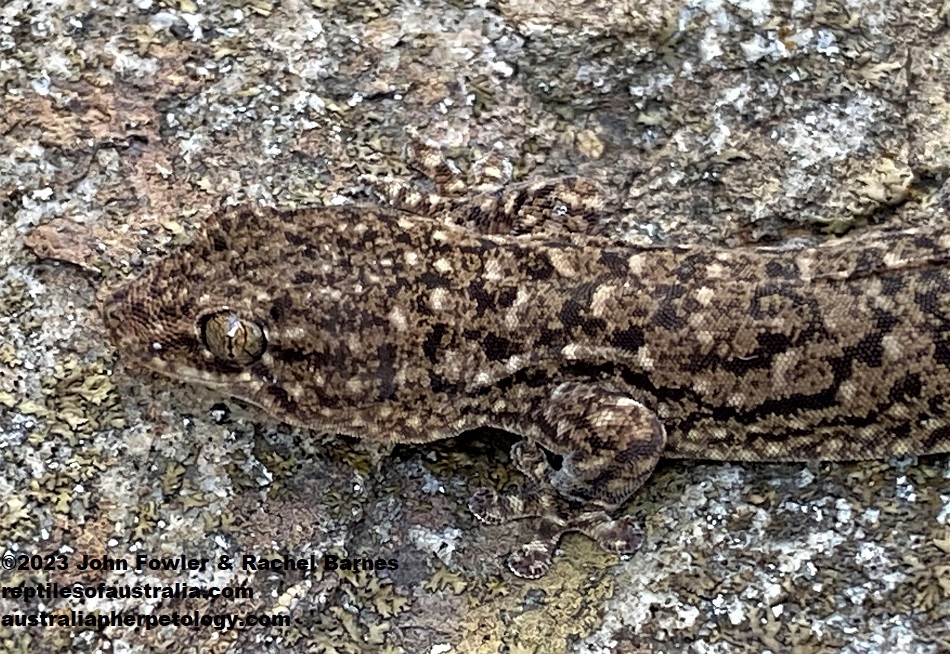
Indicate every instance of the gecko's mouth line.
{"type": "Point", "coordinates": [189, 376]}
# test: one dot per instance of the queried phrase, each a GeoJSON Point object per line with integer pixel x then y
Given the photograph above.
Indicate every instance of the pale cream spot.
{"type": "Point", "coordinates": [645, 359]}
{"type": "Point", "coordinates": [570, 351]}
{"type": "Point", "coordinates": [894, 260]}
{"type": "Point", "coordinates": [296, 390]}
{"type": "Point", "coordinates": [397, 318]}
{"type": "Point", "coordinates": [405, 223]}
{"type": "Point", "coordinates": [355, 386]}
{"type": "Point", "coordinates": [514, 363]}
{"type": "Point", "coordinates": [638, 262]}
{"type": "Point", "coordinates": [513, 316]}
{"type": "Point", "coordinates": [627, 402]}
{"type": "Point", "coordinates": [893, 348]}
{"type": "Point", "coordinates": [781, 364]}
{"type": "Point", "coordinates": [439, 235]}
{"type": "Point", "coordinates": [898, 410]}
{"type": "Point", "coordinates": [564, 263]}
{"type": "Point", "coordinates": [522, 297]}
{"type": "Point", "coordinates": [452, 365]}
{"type": "Point", "coordinates": [701, 386]}
{"type": "Point", "coordinates": [698, 323]}
{"type": "Point", "coordinates": [354, 342]}
{"type": "Point", "coordinates": [599, 300]}
{"type": "Point", "coordinates": [292, 334]}
{"type": "Point", "coordinates": [437, 299]}
{"type": "Point", "coordinates": [603, 418]}
{"type": "Point", "coordinates": [704, 295]}
{"type": "Point", "coordinates": [399, 379]}
{"type": "Point", "coordinates": [943, 241]}
{"type": "Point", "coordinates": [442, 265]}
{"type": "Point", "coordinates": [482, 378]}
{"type": "Point", "coordinates": [736, 400]}
{"type": "Point", "coordinates": [492, 270]}
{"type": "Point", "coordinates": [719, 433]}
{"type": "Point", "coordinates": [805, 264]}
{"type": "Point", "coordinates": [715, 270]}
{"type": "Point", "coordinates": [884, 302]}
{"type": "Point", "coordinates": [413, 420]}
{"type": "Point", "coordinates": [846, 391]}
{"type": "Point", "coordinates": [411, 258]}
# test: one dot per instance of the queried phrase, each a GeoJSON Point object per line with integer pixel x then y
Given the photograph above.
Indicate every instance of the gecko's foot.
{"type": "Point", "coordinates": [618, 536]}
{"type": "Point", "coordinates": [531, 561]}
{"type": "Point", "coordinates": [486, 506]}
{"type": "Point", "coordinates": [494, 508]}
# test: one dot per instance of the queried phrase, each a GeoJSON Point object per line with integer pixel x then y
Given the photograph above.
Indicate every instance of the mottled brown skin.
{"type": "Point", "coordinates": [401, 328]}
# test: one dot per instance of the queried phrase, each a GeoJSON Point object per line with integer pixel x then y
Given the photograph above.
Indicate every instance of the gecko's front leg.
{"type": "Point", "coordinates": [609, 444]}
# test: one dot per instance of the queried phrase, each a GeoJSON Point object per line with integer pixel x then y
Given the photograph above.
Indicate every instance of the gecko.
{"type": "Point", "coordinates": [419, 321]}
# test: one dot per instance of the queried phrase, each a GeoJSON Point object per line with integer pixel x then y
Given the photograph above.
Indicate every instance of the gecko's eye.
{"type": "Point", "coordinates": [233, 338]}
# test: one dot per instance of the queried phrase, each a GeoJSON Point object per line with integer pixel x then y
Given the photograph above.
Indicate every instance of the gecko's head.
{"type": "Point", "coordinates": [263, 306]}
{"type": "Point", "coordinates": [166, 323]}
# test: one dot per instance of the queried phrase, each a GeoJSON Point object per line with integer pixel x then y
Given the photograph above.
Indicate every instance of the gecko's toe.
{"type": "Point", "coordinates": [486, 506]}
{"type": "Point", "coordinates": [532, 561]}
{"type": "Point", "coordinates": [621, 536]}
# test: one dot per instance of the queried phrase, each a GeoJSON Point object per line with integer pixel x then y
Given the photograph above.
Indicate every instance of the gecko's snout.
{"type": "Point", "coordinates": [112, 309]}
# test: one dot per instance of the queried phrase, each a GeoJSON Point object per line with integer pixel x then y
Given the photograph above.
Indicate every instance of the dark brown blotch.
{"type": "Point", "coordinates": [536, 266]}
{"type": "Point", "coordinates": [279, 395]}
{"type": "Point", "coordinates": [690, 268]}
{"type": "Point", "coordinates": [483, 299]}
{"type": "Point", "coordinates": [892, 285]}
{"type": "Point", "coordinates": [294, 239]}
{"type": "Point", "coordinates": [433, 280]}
{"type": "Point", "coordinates": [868, 261]}
{"type": "Point", "coordinates": [907, 387]}
{"type": "Point", "coordinates": [281, 306]}
{"type": "Point", "coordinates": [942, 351]}
{"type": "Point", "coordinates": [630, 339]}
{"type": "Point", "coordinates": [937, 440]}
{"type": "Point", "coordinates": [614, 262]}
{"type": "Point", "coordinates": [497, 348]}
{"type": "Point", "coordinates": [303, 277]}
{"type": "Point", "coordinates": [506, 297]}
{"type": "Point", "coordinates": [433, 341]}
{"type": "Point", "coordinates": [781, 270]}
{"type": "Point", "coordinates": [386, 371]}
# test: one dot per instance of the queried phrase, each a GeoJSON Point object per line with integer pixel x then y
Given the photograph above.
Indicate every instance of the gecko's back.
{"type": "Point", "coordinates": [400, 327]}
